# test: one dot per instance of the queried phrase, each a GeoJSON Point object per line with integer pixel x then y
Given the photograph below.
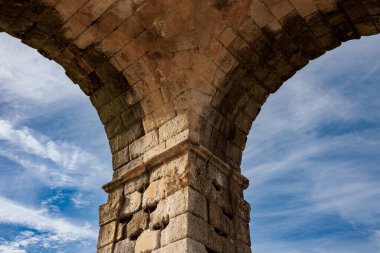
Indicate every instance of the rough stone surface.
{"type": "Point", "coordinates": [184, 226]}
{"type": "Point", "coordinates": [153, 194]}
{"type": "Point", "coordinates": [106, 234]}
{"type": "Point", "coordinates": [183, 246]}
{"type": "Point", "coordinates": [185, 200]}
{"type": "Point", "coordinates": [137, 225]}
{"type": "Point", "coordinates": [132, 204]}
{"type": "Point", "coordinates": [149, 240]}
{"type": "Point", "coordinates": [173, 78]}
{"type": "Point", "coordinates": [125, 246]}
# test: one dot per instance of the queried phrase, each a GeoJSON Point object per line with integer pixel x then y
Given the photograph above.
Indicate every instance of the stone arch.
{"type": "Point", "coordinates": [270, 48]}
{"type": "Point", "coordinates": [51, 27]}
{"type": "Point", "coordinates": [177, 85]}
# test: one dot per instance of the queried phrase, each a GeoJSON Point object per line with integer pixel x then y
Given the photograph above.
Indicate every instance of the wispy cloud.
{"type": "Point", "coordinates": [28, 241]}
{"type": "Point", "coordinates": [14, 213]}
{"type": "Point", "coordinates": [312, 158]}
{"type": "Point", "coordinates": [56, 163]}
{"type": "Point", "coordinates": [27, 83]}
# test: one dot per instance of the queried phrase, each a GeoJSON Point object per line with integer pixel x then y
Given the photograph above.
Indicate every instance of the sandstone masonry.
{"type": "Point", "coordinates": [177, 85]}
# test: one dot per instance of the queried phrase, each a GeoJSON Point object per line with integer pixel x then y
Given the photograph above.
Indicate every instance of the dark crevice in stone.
{"type": "Point", "coordinates": [150, 209]}
{"type": "Point", "coordinates": [126, 220]}
{"type": "Point", "coordinates": [221, 233]}
{"type": "Point", "coordinates": [229, 215]}
{"type": "Point", "coordinates": [162, 225]}
{"type": "Point", "coordinates": [210, 250]}
{"type": "Point", "coordinates": [216, 185]}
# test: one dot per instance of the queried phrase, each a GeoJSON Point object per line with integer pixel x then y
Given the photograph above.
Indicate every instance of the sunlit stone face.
{"type": "Point", "coordinates": [177, 86]}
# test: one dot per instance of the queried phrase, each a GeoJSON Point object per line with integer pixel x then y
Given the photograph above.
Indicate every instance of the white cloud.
{"type": "Point", "coordinates": [309, 157]}
{"type": "Point", "coordinates": [56, 163]}
{"type": "Point", "coordinates": [80, 200]}
{"type": "Point", "coordinates": [18, 214]}
{"type": "Point", "coordinates": [28, 240]}
{"type": "Point", "coordinates": [27, 81]}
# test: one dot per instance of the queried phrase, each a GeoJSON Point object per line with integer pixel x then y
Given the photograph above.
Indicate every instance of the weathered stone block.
{"type": "Point", "coordinates": [154, 193]}
{"type": "Point", "coordinates": [220, 220]}
{"type": "Point", "coordinates": [120, 231]}
{"type": "Point", "coordinates": [173, 127]}
{"type": "Point", "coordinates": [149, 240]}
{"type": "Point", "coordinates": [132, 204]}
{"type": "Point", "coordinates": [137, 184]}
{"type": "Point", "coordinates": [184, 200]}
{"type": "Point", "coordinates": [106, 249]}
{"type": "Point", "coordinates": [184, 226]}
{"type": "Point", "coordinates": [120, 158]}
{"type": "Point", "coordinates": [143, 144]}
{"type": "Point", "coordinates": [106, 234]}
{"type": "Point", "coordinates": [242, 230]}
{"type": "Point", "coordinates": [109, 210]}
{"type": "Point", "coordinates": [183, 246]}
{"type": "Point", "coordinates": [137, 225]}
{"type": "Point", "coordinates": [125, 246]}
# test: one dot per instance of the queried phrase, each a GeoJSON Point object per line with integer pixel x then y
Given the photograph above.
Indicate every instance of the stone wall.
{"type": "Point", "coordinates": [177, 85]}
{"type": "Point", "coordinates": [186, 200]}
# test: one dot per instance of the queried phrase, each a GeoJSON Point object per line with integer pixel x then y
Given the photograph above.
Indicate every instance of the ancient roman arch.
{"type": "Point", "coordinates": [177, 85]}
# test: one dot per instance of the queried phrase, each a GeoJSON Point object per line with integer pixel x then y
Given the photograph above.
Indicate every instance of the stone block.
{"type": "Point", "coordinates": [279, 8]}
{"type": "Point", "coordinates": [120, 231]}
{"type": "Point", "coordinates": [114, 126]}
{"type": "Point", "coordinates": [227, 36]}
{"type": "Point", "coordinates": [107, 213]}
{"type": "Point", "coordinates": [136, 71]}
{"type": "Point", "coordinates": [120, 158]}
{"type": "Point", "coordinates": [122, 140]}
{"type": "Point", "coordinates": [106, 249]}
{"type": "Point", "coordinates": [152, 102]}
{"type": "Point", "coordinates": [220, 220]}
{"type": "Point", "coordinates": [153, 194]}
{"type": "Point", "coordinates": [125, 246]}
{"type": "Point", "coordinates": [109, 210]}
{"type": "Point", "coordinates": [149, 240]}
{"type": "Point", "coordinates": [242, 248]}
{"type": "Point", "coordinates": [137, 225]}
{"type": "Point", "coordinates": [242, 230]}
{"type": "Point", "coordinates": [184, 226]}
{"type": "Point", "coordinates": [184, 200]}
{"type": "Point", "coordinates": [136, 184]}
{"type": "Point", "coordinates": [132, 204]}
{"type": "Point", "coordinates": [218, 177]}
{"type": "Point", "coordinates": [225, 60]}
{"type": "Point", "coordinates": [260, 13]}
{"type": "Point", "coordinates": [304, 7]}
{"type": "Point", "coordinates": [242, 208]}
{"type": "Point", "coordinates": [234, 153]}
{"type": "Point", "coordinates": [154, 152]}
{"type": "Point", "coordinates": [69, 7]}
{"type": "Point", "coordinates": [173, 127]}
{"type": "Point", "coordinates": [106, 234]}
{"type": "Point", "coordinates": [177, 139]}
{"type": "Point", "coordinates": [186, 245]}
{"type": "Point", "coordinates": [143, 144]}
{"type": "Point", "coordinates": [214, 241]}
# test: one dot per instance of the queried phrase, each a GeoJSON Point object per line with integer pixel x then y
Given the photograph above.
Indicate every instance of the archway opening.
{"type": "Point", "coordinates": [312, 157]}
{"type": "Point", "coordinates": [54, 156]}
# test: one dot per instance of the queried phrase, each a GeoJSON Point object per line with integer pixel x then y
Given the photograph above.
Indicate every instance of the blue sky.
{"type": "Point", "coordinates": [312, 157]}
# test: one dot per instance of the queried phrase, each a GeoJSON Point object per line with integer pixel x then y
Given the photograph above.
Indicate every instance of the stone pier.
{"type": "Point", "coordinates": [177, 85]}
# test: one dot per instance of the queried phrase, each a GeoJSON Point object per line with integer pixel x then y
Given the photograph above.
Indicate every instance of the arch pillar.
{"type": "Point", "coordinates": [171, 194]}
{"type": "Point", "coordinates": [177, 85]}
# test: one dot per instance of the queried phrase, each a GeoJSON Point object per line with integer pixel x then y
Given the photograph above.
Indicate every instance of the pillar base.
{"type": "Point", "coordinates": [183, 199]}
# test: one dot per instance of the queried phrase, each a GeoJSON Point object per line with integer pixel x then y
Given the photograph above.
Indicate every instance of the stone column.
{"type": "Point", "coordinates": [173, 195]}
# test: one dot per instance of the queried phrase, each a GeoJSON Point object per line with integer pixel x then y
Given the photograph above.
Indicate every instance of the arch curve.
{"type": "Point", "coordinates": [45, 25]}
{"type": "Point", "coordinates": [271, 48]}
